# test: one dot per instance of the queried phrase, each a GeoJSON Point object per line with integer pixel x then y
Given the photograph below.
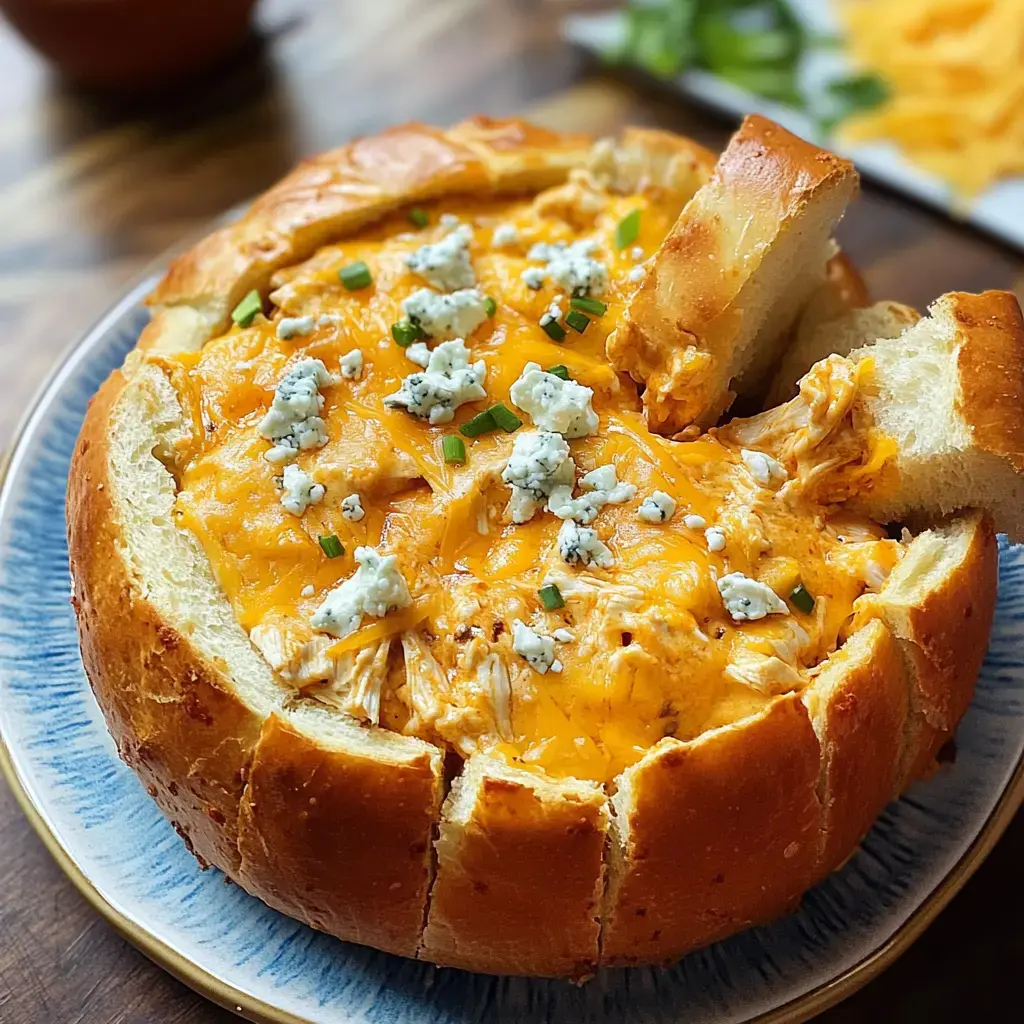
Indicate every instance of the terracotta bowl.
{"type": "Point", "coordinates": [130, 43]}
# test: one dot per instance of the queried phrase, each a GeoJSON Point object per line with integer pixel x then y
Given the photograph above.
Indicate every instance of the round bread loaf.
{"type": "Point", "coordinates": [416, 628]}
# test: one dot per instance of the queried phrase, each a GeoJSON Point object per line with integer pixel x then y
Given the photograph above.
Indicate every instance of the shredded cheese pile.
{"type": "Point", "coordinates": [956, 71]}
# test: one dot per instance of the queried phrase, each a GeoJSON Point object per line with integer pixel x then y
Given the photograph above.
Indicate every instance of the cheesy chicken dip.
{"type": "Point", "coordinates": [434, 504]}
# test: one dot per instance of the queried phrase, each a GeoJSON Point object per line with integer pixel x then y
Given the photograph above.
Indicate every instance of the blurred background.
{"type": "Point", "coordinates": [126, 126]}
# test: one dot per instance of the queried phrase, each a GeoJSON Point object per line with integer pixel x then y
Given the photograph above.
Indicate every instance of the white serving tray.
{"type": "Point", "coordinates": [999, 210]}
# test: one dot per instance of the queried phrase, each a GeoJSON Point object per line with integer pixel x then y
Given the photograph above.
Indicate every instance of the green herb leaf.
{"type": "Point", "coordinates": [802, 599]}
{"type": "Point", "coordinates": [554, 330]}
{"type": "Point", "coordinates": [505, 418]}
{"type": "Point", "coordinates": [419, 217]}
{"type": "Point", "coordinates": [331, 546]}
{"type": "Point", "coordinates": [585, 304]}
{"type": "Point", "coordinates": [560, 370]}
{"type": "Point", "coordinates": [355, 276]}
{"type": "Point", "coordinates": [481, 423]}
{"type": "Point", "coordinates": [627, 230]}
{"type": "Point", "coordinates": [577, 321]}
{"type": "Point", "coordinates": [244, 313]}
{"type": "Point", "coordinates": [454, 449]}
{"type": "Point", "coordinates": [551, 597]}
{"type": "Point", "coordinates": [490, 307]}
{"type": "Point", "coordinates": [405, 332]}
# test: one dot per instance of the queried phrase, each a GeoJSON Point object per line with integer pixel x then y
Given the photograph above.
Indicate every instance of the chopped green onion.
{"type": "Point", "coordinates": [244, 312]}
{"type": "Point", "coordinates": [405, 332]}
{"type": "Point", "coordinates": [561, 370]}
{"type": "Point", "coordinates": [802, 598]}
{"type": "Point", "coordinates": [627, 230]}
{"type": "Point", "coordinates": [331, 546]}
{"type": "Point", "coordinates": [454, 449]}
{"type": "Point", "coordinates": [577, 321]}
{"type": "Point", "coordinates": [481, 423]}
{"type": "Point", "coordinates": [585, 304]}
{"type": "Point", "coordinates": [551, 597]}
{"type": "Point", "coordinates": [419, 217]}
{"type": "Point", "coordinates": [355, 276]}
{"type": "Point", "coordinates": [490, 306]}
{"type": "Point", "coordinates": [505, 418]}
{"type": "Point", "coordinates": [554, 330]}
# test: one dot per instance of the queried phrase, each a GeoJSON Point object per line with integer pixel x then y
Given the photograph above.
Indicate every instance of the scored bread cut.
{"type": "Point", "coordinates": [519, 873]}
{"type": "Point", "coordinates": [732, 275]}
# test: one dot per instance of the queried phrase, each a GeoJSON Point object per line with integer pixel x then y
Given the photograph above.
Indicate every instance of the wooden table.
{"type": "Point", "coordinates": [92, 190]}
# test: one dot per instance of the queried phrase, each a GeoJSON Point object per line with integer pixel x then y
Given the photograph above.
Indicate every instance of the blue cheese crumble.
{"type": "Point", "coordinates": [456, 315]}
{"type": "Point", "coordinates": [600, 487]}
{"type": "Point", "coordinates": [537, 649]}
{"type": "Point", "coordinates": [448, 381]}
{"type": "Point", "coordinates": [746, 599]}
{"type": "Point", "coordinates": [352, 365]}
{"type": "Point", "coordinates": [554, 404]}
{"type": "Point", "coordinates": [533, 278]}
{"type": "Point", "coordinates": [763, 468]}
{"type": "Point", "coordinates": [352, 508]}
{"type": "Point", "coordinates": [539, 464]}
{"type": "Point", "coordinates": [505, 234]}
{"type": "Point", "coordinates": [581, 545]}
{"type": "Point", "coordinates": [445, 265]}
{"type": "Point", "coordinates": [289, 327]}
{"type": "Point", "coordinates": [658, 507]}
{"type": "Point", "coordinates": [694, 522]}
{"type": "Point", "coordinates": [299, 490]}
{"type": "Point", "coordinates": [293, 421]}
{"type": "Point", "coordinates": [715, 536]}
{"type": "Point", "coordinates": [418, 353]}
{"type": "Point", "coordinates": [375, 588]}
{"type": "Point", "coordinates": [572, 267]}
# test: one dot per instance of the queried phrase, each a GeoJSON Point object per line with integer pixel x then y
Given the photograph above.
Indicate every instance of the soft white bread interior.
{"type": "Point", "coordinates": [732, 275]}
{"type": "Point", "coordinates": [950, 392]}
{"type": "Point", "coordinates": [815, 338]}
{"type": "Point", "coordinates": [519, 856]}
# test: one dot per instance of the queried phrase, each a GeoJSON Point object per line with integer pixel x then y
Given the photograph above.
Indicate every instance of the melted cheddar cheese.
{"type": "Point", "coordinates": [646, 647]}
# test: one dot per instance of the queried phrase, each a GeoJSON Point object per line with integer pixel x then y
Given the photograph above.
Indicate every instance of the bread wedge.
{"type": "Point", "coordinates": [948, 391]}
{"type": "Point", "coordinates": [519, 873]}
{"type": "Point", "coordinates": [731, 278]}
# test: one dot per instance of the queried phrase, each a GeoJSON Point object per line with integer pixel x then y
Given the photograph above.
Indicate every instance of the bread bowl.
{"type": "Point", "coordinates": [661, 750]}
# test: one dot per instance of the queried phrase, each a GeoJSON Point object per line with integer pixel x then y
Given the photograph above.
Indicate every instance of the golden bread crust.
{"type": "Point", "coordinates": [859, 704]}
{"type": "Point", "coordinates": [991, 371]}
{"type": "Point", "coordinates": [338, 839]}
{"type": "Point", "coordinates": [338, 192]}
{"type": "Point", "coordinates": [174, 716]}
{"type": "Point", "coordinates": [680, 334]}
{"type": "Point", "coordinates": [720, 833]}
{"type": "Point", "coordinates": [519, 875]}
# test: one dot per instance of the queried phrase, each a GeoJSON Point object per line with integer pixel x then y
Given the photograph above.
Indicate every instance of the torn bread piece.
{"type": "Point", "coordinates": [949, 393]}
{"type": "Point", "coordinates": [519, 873]}
{"type": "Point", "coordinates": [733, 274]}
{"type": "Point", "coordinates": [911, 428]}
{"type": "Point", "coordinates": [815, 338]}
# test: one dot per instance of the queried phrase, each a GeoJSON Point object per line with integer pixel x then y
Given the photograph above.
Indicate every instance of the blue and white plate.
{"type": "Point", "coordinates": [109, 837]}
